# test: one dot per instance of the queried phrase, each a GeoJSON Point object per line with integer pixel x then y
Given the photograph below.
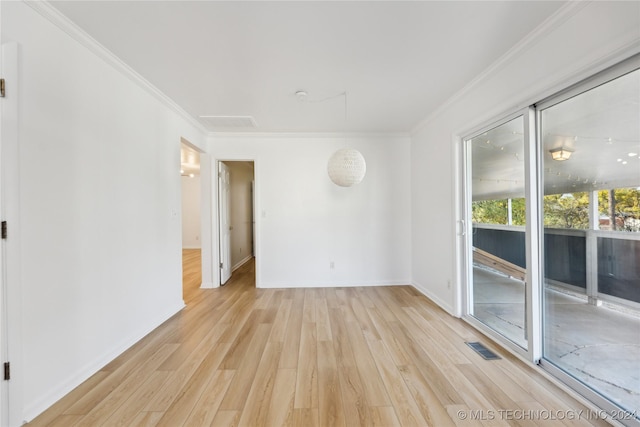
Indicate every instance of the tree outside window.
{"type": "Point", "coordinates": [568, 210]}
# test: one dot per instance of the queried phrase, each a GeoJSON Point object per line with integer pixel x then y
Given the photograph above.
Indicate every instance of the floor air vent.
{"type": "Point", "coordinates": [483, 351]}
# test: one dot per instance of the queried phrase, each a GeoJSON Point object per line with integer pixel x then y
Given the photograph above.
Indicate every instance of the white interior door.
{"type": "Point", "coordinates": [224, 215]}
{"type": "Point", "coordinates": [4, 398]}
{"type": "Point", "coordinates": [10, 344]}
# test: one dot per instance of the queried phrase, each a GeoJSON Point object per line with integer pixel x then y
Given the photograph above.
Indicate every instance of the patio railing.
{"type": "Point", "coordinates": [603, 265]}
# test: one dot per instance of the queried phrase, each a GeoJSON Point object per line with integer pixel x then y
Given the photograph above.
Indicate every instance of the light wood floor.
{"type": "Point", "coordinates": [238, 355]}
{"type": "Point", "coordinates": [191, 274]}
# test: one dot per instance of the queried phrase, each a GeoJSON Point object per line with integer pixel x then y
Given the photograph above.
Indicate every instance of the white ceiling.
{"type": "Point", "coordinates": [396, 61]}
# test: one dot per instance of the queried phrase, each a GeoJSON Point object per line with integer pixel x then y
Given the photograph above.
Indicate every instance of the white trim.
{"type": "Point", "coordinates": [583, 232]}
{"type": "Point", "coordinates": [208, 191]}
{"type": "Point", "coordinates": [241, 263]}
{"type": "Point", "coordinates": [594, 79]}
{"type": "Point", "coordinates": [554, 21]}
{"type": "Point", "coordinates": [501, 227]}
{"type": "Point", "coordinates": [573, 232]}
{"type": "Point", "coordinates": [621, 302]}
{"type": "Point", "coordinates": [562, 287]}
{"type": "Point", "coordinates": [4, 330]}
{"type": "Point", "coordinates": [424, 290]}
{"type": "Point", "coordinates": [464, 212]}
{"type": "Point", "coordinates": [619, 235]}
{"type": "Point", "coordinates": [11, 213]}
{"type": "Point", "coordinates": [616, 52]}
{"type": "Point", "coordinates": [458, 296]}
{"type": "Point", "coordinates": [335, 284]}
{"type": "Point", "coordinates": [367, 135]}
{"type": "Point", "coordinates": [534, 237]}
{"type": "Point", "coordinates": [50, 397]}
{"type": "Point", "coordinates": [478, 129]}
{"type": "Point", "coordinates": [215, 161]}
{"type": "Point", "coordinates": [53, 15]}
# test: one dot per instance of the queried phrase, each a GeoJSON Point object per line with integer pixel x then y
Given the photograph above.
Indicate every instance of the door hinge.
{"type": "Point", "coordinates": [3, 232]}
{"type": "Point", "coordinates": [221, 265]}
{"type": "Point", "coordinates": [2, 88]}
{"type": "Point", "coordinates": [7, 371]}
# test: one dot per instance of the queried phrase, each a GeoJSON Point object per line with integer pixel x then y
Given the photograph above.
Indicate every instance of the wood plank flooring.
{"type": "Point", "coordinates": [379, 356]}
{"type": "Point", "coordinates": [191, 274]}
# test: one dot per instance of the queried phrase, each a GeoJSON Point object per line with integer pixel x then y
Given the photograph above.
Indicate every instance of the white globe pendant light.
{"type": "Point", "coordinates": [346, 167]}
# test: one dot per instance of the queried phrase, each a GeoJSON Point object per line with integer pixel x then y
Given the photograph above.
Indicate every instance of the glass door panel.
{"type": "Point", "coordinates": [497, 294]}
{"type": "Point", "coordinates": [591, 246]}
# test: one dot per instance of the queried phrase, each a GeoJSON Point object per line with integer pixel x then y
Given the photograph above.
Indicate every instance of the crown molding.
{"type": "Point", "coordinates": [563, 14]}
{"type": "Point", "coordinates": [333, 135]}
{"type": "Point", "coordinates": [53, 15]}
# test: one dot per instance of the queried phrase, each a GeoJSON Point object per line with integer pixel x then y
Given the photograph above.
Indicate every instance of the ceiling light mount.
{"type": "Point", "coordinates": [561, 154]}
{"type": "Point", "coordinates": [303, 96]}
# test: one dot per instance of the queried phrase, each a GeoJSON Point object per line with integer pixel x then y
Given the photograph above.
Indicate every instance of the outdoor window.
{"type": "Point", "coordinates": [504, 211]}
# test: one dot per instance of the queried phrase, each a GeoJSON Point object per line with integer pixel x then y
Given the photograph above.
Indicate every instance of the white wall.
{"type": "Point", "coordinates": [584, 38]}
{"type": "Point", "coordinates": [99, 198]}
{"type": "Point", "coordinates": [191, 204]}
{"type": "Point", "coordinates": [99, 233]}
{"type": "Point", "coordinates": [241, 174]}
{"type": "Point", "coordinates": [304, 221]}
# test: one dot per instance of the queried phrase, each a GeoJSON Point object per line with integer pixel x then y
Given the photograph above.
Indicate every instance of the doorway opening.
{"type": "Point", "coordinates": [236, 214]}
{"type": "Point", "coordinates": [191, 195]}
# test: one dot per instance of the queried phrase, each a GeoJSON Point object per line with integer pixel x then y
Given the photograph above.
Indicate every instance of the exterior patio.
{"type": "Point", "coordinates": [597, 344]}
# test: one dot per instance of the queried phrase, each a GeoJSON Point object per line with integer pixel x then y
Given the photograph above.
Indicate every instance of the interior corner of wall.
{"type": "Point", "coordinates": [446, 306]}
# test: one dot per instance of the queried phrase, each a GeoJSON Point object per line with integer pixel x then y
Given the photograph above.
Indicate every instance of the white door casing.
{"type": "Point", "coordinates": [224, 215]}
{"type": "Point", "coordinates": [4, 398]}
{"type": "Point", "coordinates": [10, 341]}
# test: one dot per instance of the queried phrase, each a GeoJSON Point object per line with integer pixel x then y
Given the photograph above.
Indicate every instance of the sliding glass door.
{"type": "Point", "coordinates": [591, 175]}
{"type": "Point", "coordinates": [552, 255]}
{"type": "Point", "coordinates": [497, 251]}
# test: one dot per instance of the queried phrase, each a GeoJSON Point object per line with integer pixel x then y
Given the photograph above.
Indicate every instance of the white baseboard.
{"type": "Point", "coordinates": [441, 303]}
{"type": "Point", "coordinates": [33, 409]}
{"type": "Point", "coordinates": [208, 285]}
{"type": "Point", "coordinates": [241, 263]}
{"type": "Point", "coordinates": [348, 284]}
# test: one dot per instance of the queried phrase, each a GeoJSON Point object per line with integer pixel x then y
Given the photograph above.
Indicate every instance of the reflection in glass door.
{"type": "Point", "coordinates": [497, 294]}
{"type": "Point", "coordinates": [591, 172]}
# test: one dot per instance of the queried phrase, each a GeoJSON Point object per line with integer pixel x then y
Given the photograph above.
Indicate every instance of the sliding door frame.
{"type": "Point", "coordinates": [630, 65]}
{"type": "Point", "coordinates": [532, 351]}
{"type": "Point", "coordinates": [534, 236]}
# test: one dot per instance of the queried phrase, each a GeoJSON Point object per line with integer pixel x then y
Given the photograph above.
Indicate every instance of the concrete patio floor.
{"type": "Point", "coordinates": [599, 346]}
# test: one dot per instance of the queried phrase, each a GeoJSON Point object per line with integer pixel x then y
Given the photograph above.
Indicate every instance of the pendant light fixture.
{"type": "Point", "coordinates": [346, 167]}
